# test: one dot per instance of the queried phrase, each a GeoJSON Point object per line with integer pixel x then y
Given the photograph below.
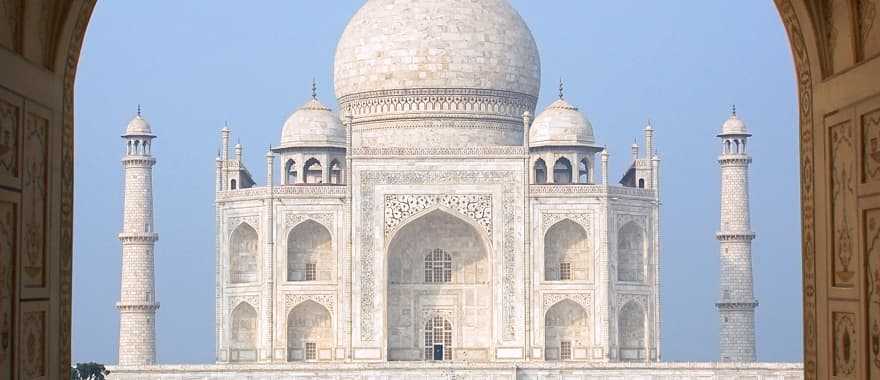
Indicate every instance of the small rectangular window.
{"type": "Point", "coordinates": [565, 350]}
{"type": "Point", "coordinates": [565, 271]}
{"type": "Point", "coordinates": [311, 351]}
{"type": "Point", "coordinates": [311, 272]}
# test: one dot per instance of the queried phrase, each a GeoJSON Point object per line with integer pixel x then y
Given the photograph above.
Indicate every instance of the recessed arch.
{"type": "Point", "coordinates": [631, 253]}
{"type": "Point", "coordinates": [566, 330]}
{"type": "Point", "coordinates": [243, 333]}
{"type": "Point", "coordinates": [469, 287]}
{"type": "Point", "coordinates": [631, 321]}
{"type": "Point", "coordinates": [244, 248]}
{"type": "Point", "coordinates": [562, 171]}
{"type": "Point", "coordinates": [313, 172]}
{"type": "Point", "coordinates": [336, 172]}
{"type": "Point", "coordinates": [540, 169]}
{"type": "Point", "coordinates": [310, 253]}
{"type": "Point", "coordinates": [290, 172]}
{"type": "Point", "coordinates": [567, 255]}
{"type": "Point", "coordinates": [309, 331]}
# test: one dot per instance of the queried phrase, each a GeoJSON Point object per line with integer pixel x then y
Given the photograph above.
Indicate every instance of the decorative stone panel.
{"type": "Point", "coordinates": [583, 299]}
{"type": "Point", "coordinates": [845, 345]}
{"type": "Point", "coordinates": [233, 301]}
{"type": "Point", "coordinates": [623, 298]}
{"type": "Point", "coordinates": [8, 246]}
{"type": "Point", "coordinates": [399, 207]}
{"type": "Point", "coordinates": [233, 222]}
{"type": "Point", "coordinates": [582, 218]}
{"type": "Point", "coordinates": [871, 153]}
{"type": "Point", "coordinates": [33, 344]}
{"type": "Point", "coordinates": [35, 187]}
{"type": "Point", "coordinates": [10, 143]}
{"type": "Point", "coordinates": [843, 203]}
{"type": "Point", "coordinates": [292, 219]}
{"type": "Point", "coordinates": [292, 300]}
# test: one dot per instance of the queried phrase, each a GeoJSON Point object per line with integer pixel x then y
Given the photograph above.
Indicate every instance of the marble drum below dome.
{"type": "Point", "coordinates": [436, 73]}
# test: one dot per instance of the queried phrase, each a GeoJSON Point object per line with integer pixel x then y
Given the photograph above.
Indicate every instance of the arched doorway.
{"type": "Point", "coordinates": [309, 332]}
{"type": "Point", "coordinates": [566, 331]}
{"type": "Point", "coordinates": [439, 290]}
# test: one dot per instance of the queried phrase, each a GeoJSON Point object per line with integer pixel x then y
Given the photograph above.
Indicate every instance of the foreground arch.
{"type": "Point", "coordinates": [838, 75]}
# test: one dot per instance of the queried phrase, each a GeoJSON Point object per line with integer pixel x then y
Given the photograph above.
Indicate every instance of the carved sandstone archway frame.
{"type": "Point", "coordinates": [66, 43]}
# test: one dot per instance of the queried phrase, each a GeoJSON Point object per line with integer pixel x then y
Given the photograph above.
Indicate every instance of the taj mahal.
{"type": "Point", "coordinates": [439, 225]}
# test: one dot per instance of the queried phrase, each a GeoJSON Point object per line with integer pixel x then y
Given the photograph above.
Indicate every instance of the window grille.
{"type": "Point", "coordinates": [311, 351]}
{"type": "Point", "coordinates": [565, 350]}
{"type": "Point", "coordinates": [565, 271]}
{"type": "Point", "coordinates": [438, 331]}
{"type": "Point", "coordinates": [311, 272]}
{"type": "Point", "coordinates": [438, 267]}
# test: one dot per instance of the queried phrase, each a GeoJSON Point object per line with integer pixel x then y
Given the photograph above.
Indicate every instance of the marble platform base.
{"type": "Point", "coordinates": [463, 371]}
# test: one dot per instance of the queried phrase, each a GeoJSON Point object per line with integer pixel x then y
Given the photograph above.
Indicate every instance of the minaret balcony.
{"type": "Point", "coordinates": [143, 237]}
{"type": "Point", "coordinates": [137, 307]}
{"type": "Point", "coordinates": [735, 236]}
{"type": "Point", "coordinates": [747, 306]}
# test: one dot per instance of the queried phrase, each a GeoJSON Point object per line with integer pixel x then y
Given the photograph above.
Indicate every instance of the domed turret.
{"type": "Point", "coordinates": [313, 125]}
{"type": "Point", "coordinates": [437, 73]}
{"type": "Point", "coordinates": [561, 124]}
{"type": "Point", "coordinates": [734, 126]}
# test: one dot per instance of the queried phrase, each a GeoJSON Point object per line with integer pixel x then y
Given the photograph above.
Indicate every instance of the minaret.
{"type": "Point", "coordinates": [137, 305]}
{"type": "Point", "coordinates": [736, 307]}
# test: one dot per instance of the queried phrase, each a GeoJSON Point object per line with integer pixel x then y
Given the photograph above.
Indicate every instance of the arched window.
{"type": "Point", "coordinates": [566, 328]}
{"type": "Point", "coordinates": [308, 331]}
{"type": "Point", "coordinates": [540, 171]}
{"type": "Point", "coordinates": [566, 252]}
{"type": "Point", "coordinates": [137, 145]}
{"type": "Point", "coordinates": [631, 331]}
{"type": "Point", "coordinates": [736, 143]}
{"type": "Point", "coordinates": [438, 267]}
{"type": "Point", "coordinates": [584, 171]}
{"type": "Point", "coordinates": [290, 172]}
{"type": "Point", "coordinates": [233, 185]}
{"type": "Point", "coordinates": [438, 339]}
{"type": "Point", "coordinates": [726, 146]}
{"type": "Point", "coordinates": [335, 172]}
{"type": "Point", "coordinates": [314, 172]}
{"type": "Point", "coordinates": [562, 171]}
{"type": "Point", "coordinates": [129, 146]}
{"type": "Point", "coordinates": [243, 254]}
{"type": "Point", "coordinates": [630, 253]}
{"type": "Point", "coordinates": [243, 333]}
{"type": "Point", "coordinates": [309, 253]}
{"type": "Point", "coordinates": [641, 183]}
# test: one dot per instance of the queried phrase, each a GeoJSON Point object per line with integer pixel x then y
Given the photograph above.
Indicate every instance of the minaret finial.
{"type": "Point", "coordinates": [139, 109]}
{"type": "Point", "coordinates": [561, 89]}
{"type": "Point", "coordinates": [314, 89]}
{"type": "Point", "coordinates": [733, 109]}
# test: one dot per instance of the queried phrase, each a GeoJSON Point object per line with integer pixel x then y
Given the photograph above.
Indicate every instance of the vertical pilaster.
{"type": "Point", "coordinates": [268, 290]}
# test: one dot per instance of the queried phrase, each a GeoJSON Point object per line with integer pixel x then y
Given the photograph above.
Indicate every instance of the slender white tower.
{"type": "Point", "coordinates": [137, 305]}
{"type": "Point", "coordinates": [736, 307]}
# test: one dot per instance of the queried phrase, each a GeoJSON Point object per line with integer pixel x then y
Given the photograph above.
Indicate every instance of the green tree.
{"type": "Point", "coordinates": [88, 371]}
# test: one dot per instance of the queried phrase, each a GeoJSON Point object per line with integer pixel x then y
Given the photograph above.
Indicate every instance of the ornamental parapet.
{"type": "Point", "coordinates": [490, 151]}
{"type": "Point", "coordinates": [737, 306]}
{"type": "Point", "coordinates": [379, 105]}
{"type": "Point", "coordinates": [565, 190]}
{"type": "Point", "coordinates": [137, 307]}
{"type": "Point", "coordinates": [142, 238]}
{"type": "Point", "coordinates": [310, 191]}
{"type": "Point", "coordinates": [735, 236]}
{"type": "Point", "coordinates": [734, 160]}
{"type": "Point", "coordinates": [138, 162]}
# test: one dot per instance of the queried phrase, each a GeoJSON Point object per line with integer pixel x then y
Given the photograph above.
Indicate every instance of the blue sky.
{"type": "Point", "coordinates": [195, 64]}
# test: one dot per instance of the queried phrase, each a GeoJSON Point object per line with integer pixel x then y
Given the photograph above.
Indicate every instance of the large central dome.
{"type": "Point", "coordinates": [466, 69]}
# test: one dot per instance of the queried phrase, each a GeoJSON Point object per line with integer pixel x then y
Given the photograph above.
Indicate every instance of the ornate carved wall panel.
{"type": "Point", "coordinates": [8, 252]}
{"type": "Point", "coordinates": [843, 201]}
{"type": "Point", "coordinates": [868, 33]}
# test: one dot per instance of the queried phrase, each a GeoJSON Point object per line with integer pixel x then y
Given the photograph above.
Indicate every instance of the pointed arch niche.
{"type": "Point", "coordinates": [461, 247]}
{"type": "Point", "coordinates": [567, 253]}
{"type": "Point", "coordinates": [244, 248]}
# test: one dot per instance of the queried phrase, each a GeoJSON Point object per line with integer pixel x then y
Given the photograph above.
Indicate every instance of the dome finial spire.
{"type": "Point", "coordinates": [314, 89]}
{"type": "Point", "coordinates": [139, 109]}
{"type": "Point", "coordinates": [733, 109]}
{"type": "Point", "coordinates": [561, 88]}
